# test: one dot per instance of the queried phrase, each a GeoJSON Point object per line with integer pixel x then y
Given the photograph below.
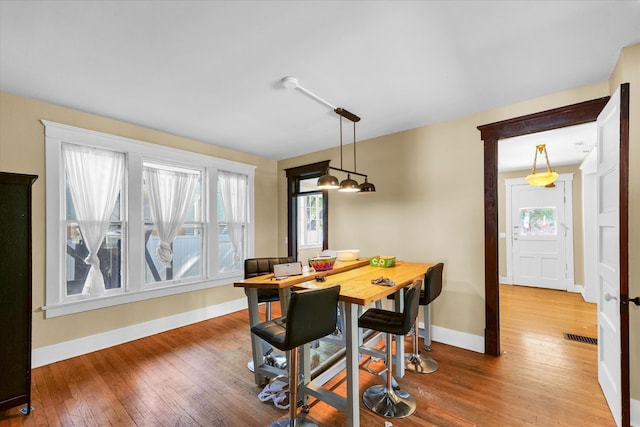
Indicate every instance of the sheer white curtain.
{"type": "Point", "coordinates": [170, 195]}
{"type": "Point", "coordinates": [233, 188]}
{"type": "Point", "coordinates": [95, 179]}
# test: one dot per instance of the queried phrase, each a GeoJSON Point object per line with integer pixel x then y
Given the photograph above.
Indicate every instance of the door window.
{"type": "Point", "coordinates": [538, 221]}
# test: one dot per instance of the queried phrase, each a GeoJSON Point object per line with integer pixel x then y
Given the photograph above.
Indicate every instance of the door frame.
{"type": "Point", "coordinates": [575, 114]}
{"type": "Point", "coordinates": [567, 180]}
{"type": "Point", "coordinates": [294, 176]}
{"type": "Point", "coordinates": [583, 112]}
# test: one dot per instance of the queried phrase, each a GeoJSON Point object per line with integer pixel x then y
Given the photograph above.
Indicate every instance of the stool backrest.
{"type": "Point", "coordinates": [411, 306]}
{"type": "Point", "coordinates": [312, 314]}
{"type": "Point", "coordinates": [432, 284]}
{"type": "Point", "coordinates": [258, 266]}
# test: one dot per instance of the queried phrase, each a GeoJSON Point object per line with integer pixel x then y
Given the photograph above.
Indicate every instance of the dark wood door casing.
{"type": "Point", "coordinates": [294, 176]}
{"type": "Point", "coordinates": [575, 114]}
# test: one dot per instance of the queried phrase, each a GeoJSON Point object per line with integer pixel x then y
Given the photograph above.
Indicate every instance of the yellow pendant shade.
{"type": "Point", "coordinates": [541, 179]}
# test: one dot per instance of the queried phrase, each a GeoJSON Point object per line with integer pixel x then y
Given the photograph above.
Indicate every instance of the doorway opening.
{"type": "Point", "coordinates": [307, 211]}
{"type": "Point", "coordinates": [575, 114]}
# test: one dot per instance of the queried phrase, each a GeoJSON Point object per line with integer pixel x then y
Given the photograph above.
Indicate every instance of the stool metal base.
{"type": "Point", "coordinates": [388, 403]}
{"type": "Point", "coordinates": [420, 364]}
{"type": "Point", "coordinates": [299, 422]}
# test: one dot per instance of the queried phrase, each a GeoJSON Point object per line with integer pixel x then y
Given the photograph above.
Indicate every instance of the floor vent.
{"type": "Point", "coordinates": [580, 338]}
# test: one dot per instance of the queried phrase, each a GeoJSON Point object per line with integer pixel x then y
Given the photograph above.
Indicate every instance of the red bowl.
{"type": "Point", "coordinates": [322, 263]}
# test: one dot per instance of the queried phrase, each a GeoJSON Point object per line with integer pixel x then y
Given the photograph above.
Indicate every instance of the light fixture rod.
{"type": "Point", "coordinates": [291, 82]}
{"type": "Point", "coordinates": [348, 171]}
{"type": "Point", "coordinates": [316, 97]}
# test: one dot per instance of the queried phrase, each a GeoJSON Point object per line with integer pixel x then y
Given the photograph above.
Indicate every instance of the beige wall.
{"type": "Point", "coordinates": [627, 70]}
{"type": "Point", "coordinates": [429, 202]}
{"type": "Point", "coordinates": [578, 239]}
{"type": "Point", "coordinates": [22, 151]}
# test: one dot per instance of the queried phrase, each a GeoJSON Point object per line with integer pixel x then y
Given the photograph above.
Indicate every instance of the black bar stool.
{"type": "Point", "coordinates": [384, 399]}
{"type": "Point", "coordinates": [254, 267]}
{"type": "Point", "coordinates": [257, 267]}
{"type": "Point", "coordinates": [312, 314]}
{"type": "Point", "coordinates": [416, 362]}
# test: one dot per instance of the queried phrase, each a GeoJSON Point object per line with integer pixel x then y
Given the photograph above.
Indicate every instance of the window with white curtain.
{"type": "Point", "coordinates": [174, 223]}
{"type": "Point", "coordinates": [232, 220]}
{"type": "Point", "coordinates": [129, 220]}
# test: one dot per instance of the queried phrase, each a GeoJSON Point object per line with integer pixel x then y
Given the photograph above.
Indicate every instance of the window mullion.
{"type": "Point", "coordinates": [135, 225]}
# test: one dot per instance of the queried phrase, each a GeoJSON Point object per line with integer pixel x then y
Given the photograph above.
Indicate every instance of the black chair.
{"type": "Point", "coordinates": [254, 267]}
{"type": "Point", "coordinates": [385, 400]}
{"type": "Point", "coordinates": [416, 362]}
{"type": "Point", "coordinates": [257, 267]}
{"type": "Point", "coordinates": [312, 314]}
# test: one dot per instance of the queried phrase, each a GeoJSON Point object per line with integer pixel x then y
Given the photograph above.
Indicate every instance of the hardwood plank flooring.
{"type": "Point", "coordinates": [197, 376]}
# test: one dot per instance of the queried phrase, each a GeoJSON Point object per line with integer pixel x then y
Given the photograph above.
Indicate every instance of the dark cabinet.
{"type": "Point", "coordinates": [15, 290]}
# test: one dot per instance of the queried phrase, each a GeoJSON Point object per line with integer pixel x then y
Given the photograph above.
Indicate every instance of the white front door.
{"type": "Point", "coordinates": [608, 177]}
{"type": "Point", "coordinates": [539, 235]}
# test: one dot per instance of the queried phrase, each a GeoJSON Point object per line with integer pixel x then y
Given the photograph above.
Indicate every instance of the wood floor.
{"type": "Point", "coordinates": [197, 376]}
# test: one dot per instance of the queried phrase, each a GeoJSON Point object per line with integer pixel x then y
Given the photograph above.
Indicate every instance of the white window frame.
{"type": "Point", "coordinates": [133, 287]}
{"type": "Point", "coordinates": [303, 218]}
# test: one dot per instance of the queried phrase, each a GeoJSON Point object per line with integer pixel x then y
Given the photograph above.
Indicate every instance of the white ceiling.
{"type": "Point", "coordinates": [211, 70]}
{"type": "Point", "coordinates": [565, 146]}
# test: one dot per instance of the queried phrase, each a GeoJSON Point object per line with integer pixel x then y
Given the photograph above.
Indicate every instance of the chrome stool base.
{"type": "Point", "coordinates": [300, 422]}
{"type": "Point", "coordinates": [420, 364]}
{"type": "Point", "coordinates": [389, 403]}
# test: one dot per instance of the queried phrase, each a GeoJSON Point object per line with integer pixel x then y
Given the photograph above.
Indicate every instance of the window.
{"type": "Point", "coordinates": [538, 221]}
{"type": "Point", "coordinates": [93, 187]}
{"type": "Point", "coordinates": [174, 223]}
{"type": "Point", "coordinates": [129, 220]}
{"type": "Point", "coordinates": [232, 220]}
{"type": "Point", "coordinates": [310, 220]}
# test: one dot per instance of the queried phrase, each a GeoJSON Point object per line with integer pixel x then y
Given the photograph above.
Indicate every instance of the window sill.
{"type": "Point", "coordinates": [129, 297]}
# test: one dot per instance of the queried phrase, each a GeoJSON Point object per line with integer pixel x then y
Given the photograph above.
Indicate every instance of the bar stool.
{"type": "Point", "coordinates": [257, 267]}
{"type": "Point", "coordinates": [416, 362]}
{"type": "Point", "coordinates": [312, 314]}
{"type": "Point", "coordinates": [384, 399]}
{"type": "Point", "coordinates": [254, 267]}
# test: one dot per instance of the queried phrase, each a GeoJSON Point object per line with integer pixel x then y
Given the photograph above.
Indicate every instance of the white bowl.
{"type": "Point", "coordinates": [348, 254]}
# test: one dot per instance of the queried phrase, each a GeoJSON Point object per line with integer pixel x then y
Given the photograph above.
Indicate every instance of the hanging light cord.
{"type": "Point", "coordinates": [540, 148]}
{"type": "Point", "coordinates": [354, 147]}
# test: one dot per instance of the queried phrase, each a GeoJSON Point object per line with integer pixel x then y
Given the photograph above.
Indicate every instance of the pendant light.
{"type": "Point", "coordinates": [541, 179]}
{"type": "Point", "coordinates": [328, 181]}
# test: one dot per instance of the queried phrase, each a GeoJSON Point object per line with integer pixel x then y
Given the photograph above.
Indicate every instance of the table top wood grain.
{"type": "Point", "coordinates": [354, 278]}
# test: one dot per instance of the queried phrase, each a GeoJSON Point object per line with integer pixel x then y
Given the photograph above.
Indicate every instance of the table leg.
{"type": "Point", "coordinates": [285, 296]}
{"type": "Point", "coordinates": [399, 356]}
{"type": "Point", "coordinates": [256, 342]}
{"type": "Point", "coordinates": [350, 319]}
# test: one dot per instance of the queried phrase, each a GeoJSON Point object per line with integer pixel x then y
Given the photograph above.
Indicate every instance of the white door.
{"type": "Point", "coordinates": [608, 177]}
{"type": "Point", "coordinates": [539, 232]}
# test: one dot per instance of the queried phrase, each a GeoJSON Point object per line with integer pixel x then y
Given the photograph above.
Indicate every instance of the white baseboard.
{"type": "Point", "coordinates": [506, 280]}
{"type": "Point", "coordinates": [456, 338]}
{"type": "Point", "coordinates": [53, 353]}
{"type": "Point", "coordinates": [635, 413]}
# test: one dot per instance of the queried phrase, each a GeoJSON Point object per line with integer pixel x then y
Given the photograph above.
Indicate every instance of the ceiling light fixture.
{"type": "Point", "coordinates": [541, 179]}
{"type": "Point", "coordinates": [328, 181]}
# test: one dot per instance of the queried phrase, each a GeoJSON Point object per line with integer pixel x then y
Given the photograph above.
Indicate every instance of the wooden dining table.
{"type": "Point", "coordinates": [356, 292]}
